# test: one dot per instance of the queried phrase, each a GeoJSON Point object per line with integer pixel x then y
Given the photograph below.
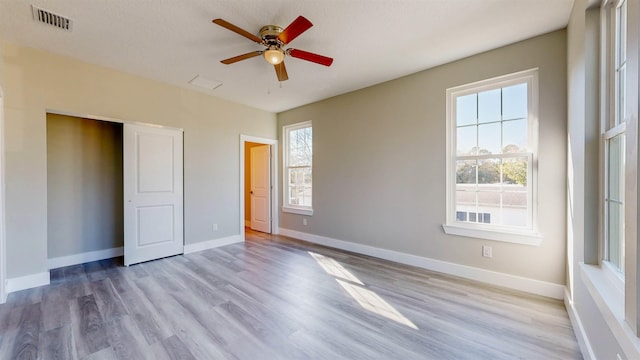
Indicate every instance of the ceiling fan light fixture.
{"type": "Point", "coordinates": [274, 56]}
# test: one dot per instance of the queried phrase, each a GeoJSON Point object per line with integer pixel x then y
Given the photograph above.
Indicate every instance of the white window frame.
{"type": "Point", "coordinates": [528, 235]}
{"type": "Point", "coordinates": [605, 283]}
{"type": "Point", "coordinates": [613, 121]}
{"type": "Point", "coordinates": [286, 207]}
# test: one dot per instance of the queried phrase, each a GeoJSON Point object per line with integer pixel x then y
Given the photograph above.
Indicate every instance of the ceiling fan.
{"type": "Point", "coordinates": [274, 38]}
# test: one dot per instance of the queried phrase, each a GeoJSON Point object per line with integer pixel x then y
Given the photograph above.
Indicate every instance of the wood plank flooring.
{"type": "Point", "coordinates": [276, 298]}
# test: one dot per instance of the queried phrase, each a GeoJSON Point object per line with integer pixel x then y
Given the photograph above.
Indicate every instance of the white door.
{"type": "Point", "coordinates": [261, 188]}
{"type": "Point", "coordinates": [153, 200]}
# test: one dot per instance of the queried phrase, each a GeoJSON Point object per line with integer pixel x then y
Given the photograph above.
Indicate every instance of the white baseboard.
{"type": "Point", "coordinates": [578, 328]}
{"type": "Point", "coordinates": [27, 282]}
{"type": "Point", "coordinates": [82, 258]}
{"type": "Point", "coordinates": [3, 294]}
{"type": "Point", "coordinates": [514, 282]}
{"type": "Point", "coordinates": [210, 244]}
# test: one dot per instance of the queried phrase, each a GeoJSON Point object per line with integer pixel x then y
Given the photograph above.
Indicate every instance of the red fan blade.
{"type": "Point", "coordinates": [297, 27]}
{"type": "Point", "coordinates": [305, 55]}
{"type": "Point", "coordinates": [281, 72]}
{"type": "Point", "coordinates": [237, 30]}
{"type": "Point", "coordinates": [241, 57]}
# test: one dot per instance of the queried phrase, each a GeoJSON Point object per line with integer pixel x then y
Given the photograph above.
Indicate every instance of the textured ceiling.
{"type": "Point", "coordinates": [372, 41]}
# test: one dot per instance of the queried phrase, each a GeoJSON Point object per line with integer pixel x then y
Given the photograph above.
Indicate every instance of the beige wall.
{"type": "Point", "coordinates": [84, 185]}
{"type": "Point", "coordinates": [1, 63]}
{"type": "Point", "coordinates": [379, 163]}
{"type": "Point", "coordinates": [36, 81]}
{"type": "Point", "coordinates": [247, 179]}
{"type": "Point", "coordinates": [3, 251]}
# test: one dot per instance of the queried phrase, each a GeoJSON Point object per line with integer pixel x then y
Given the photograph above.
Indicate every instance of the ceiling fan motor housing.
{"type": "Point", "coordinates": [269, 34]}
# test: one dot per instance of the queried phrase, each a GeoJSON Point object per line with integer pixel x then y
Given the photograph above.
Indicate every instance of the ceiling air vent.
{"type": "Point", "coordinates": [49, 18]}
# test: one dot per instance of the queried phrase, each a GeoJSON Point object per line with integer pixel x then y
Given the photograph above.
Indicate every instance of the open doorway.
{"type": "Point", "coordinates": [257, 187]}
{"type": "Point", "coordinates": [113, 188]}
{"type": "Point", "coordinates": [84, 190]}
{"type": "Point", "coordinates": [258, 184]}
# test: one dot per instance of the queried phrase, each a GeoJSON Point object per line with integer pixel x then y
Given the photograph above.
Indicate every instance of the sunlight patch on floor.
{"type": "Point", "coordinates": [368, 299]}
{"type": "Point", "coordinates": [334, 268]}
{"type": "Point", "coordinates": [371, 301]}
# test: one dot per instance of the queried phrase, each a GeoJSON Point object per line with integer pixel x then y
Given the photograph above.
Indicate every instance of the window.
{"type": "Point", "coordinates": [298, 155]}
{"type": "Point", "coordinates": [491, 159]}
{"type": "Point", "coordinates": [613, 137]}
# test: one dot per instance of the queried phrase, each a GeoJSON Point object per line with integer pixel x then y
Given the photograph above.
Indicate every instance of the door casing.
{"type": "Point", "coordinates": [275, 219]}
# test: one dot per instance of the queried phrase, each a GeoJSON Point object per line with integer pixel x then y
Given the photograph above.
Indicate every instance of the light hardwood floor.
{"type": "Point", "coordinates": [276, 298]}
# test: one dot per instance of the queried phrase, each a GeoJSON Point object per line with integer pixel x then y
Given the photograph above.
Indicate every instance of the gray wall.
{"type": "Point", "coordinates": [379, 163]}
{"type": "Point", "coordinates": [36, 80]}
{"type": "Point", "coordinates": [84, 185]}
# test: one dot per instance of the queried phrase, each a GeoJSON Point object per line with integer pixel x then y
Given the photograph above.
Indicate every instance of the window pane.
{"type": "Point", "coordinates": [489, 139]}
{"type": "Point", "coordinates": [466, 172]}
{"type": "Point", "coordinates": [614, 200]}
{"type": "Point", "coordinates": [486, 218]}
{"type": "Point", "coordinates": [489, 171]}
{"type": "Point", "coordinates": [467, 140]}
{"type": "Point", "coordinates": [615, 173]}
{"type": "Point", "coordinates": [514, 136]}
{"type": "Point", "coordinates": [622, 94]}
{"type": "Point", "coordinates": [489, 106]}
{"type": "Point", "coordinates": [622, 33]}
{"type": "Point", "coordinates": [300, 186]}
{"type": "Point", "coordinates": [466, 110]}
{"type": "Point", "coordinates": [514, 171]}
{"type": "Point", "coordinates": [489, 203]}
{"type": "Point", "coordinates": [300, 147]}
{"type": "Point", "coordinates": [514, 102]}
{"type": "Point", "coordinates": [465, 203]}
{"type": "Point", "coordinates": [514, 208]}
{"type": "Point", "coordinates": [615, 234]}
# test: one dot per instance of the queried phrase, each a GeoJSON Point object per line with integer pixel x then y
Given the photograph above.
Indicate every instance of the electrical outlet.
{"type": "Point", "coordinates": [215, 227]}
{"type": "Point", "coordinates": [304, 221]}
{"type": "Point", "coordinates": [487, 251]}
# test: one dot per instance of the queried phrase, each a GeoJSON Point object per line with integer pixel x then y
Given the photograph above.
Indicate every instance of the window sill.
{"type": "Point", "coordinates": [299, 211]}
{"type": "Point", "coordinates": [526, 238]}
{"type": "Point", "coordinates": [607, 291]}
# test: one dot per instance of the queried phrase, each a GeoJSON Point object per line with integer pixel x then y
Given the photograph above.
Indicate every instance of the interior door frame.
{"type": "Point", "coordinates": [275, 216]}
